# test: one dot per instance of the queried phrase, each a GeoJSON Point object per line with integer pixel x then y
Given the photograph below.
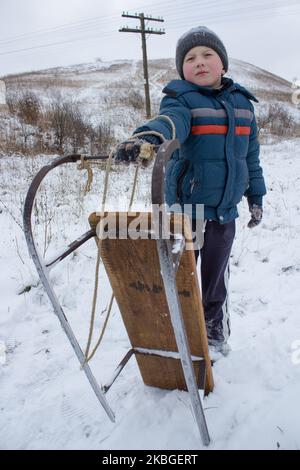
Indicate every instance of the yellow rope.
{"type": "Point", "coordinates": [85, 165]}
{"type": "Point", "coordinates": [95, 293]}
{"type": "Point", "coordinates": [91, 330]}
{"type": "Point", "coordinates": [87, 357]}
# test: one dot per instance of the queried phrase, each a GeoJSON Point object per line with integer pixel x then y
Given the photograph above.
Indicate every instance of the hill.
{"type": "Point", "coordinates": [100, 83]}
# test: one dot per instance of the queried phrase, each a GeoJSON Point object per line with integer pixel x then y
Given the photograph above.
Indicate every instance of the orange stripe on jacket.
{"type": "Point", "coordinates": [242, 130]}
{"type": "Point", "coordinates": [213, 129]}
{"type": "Point", "coordinates": [222, 130]}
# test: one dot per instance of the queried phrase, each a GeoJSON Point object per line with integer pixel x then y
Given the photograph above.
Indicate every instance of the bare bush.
{"type": "Point", "coordinates": [9, 138]}
{"type": "Point", "coordinates": [101, 138]}
{"type": "Point", "coordinates": [26, 133]}
{"type": "Point", "coordinates": [135, 99]}
{"type": "Point", "coordinates": [20, 129]}
{"type": "Point", "coordinates": [24, 105]}
{"type": "Point", "coordinates": [12, 100]}
{"type": "Point", "coordinates": [263, 119]}
{"type": "Point", "coordinates": [283, 122]}
{"type": "Point", "coordinates": [76, 126]}
{"type": "Point", "coordinates": [60, 126]}
{"type": "Point", "coordinates": [59, 120]}
{"type": "Point", "coordinates": [276, 119]}
{"type": "Point", "coordinates": [28, 108]}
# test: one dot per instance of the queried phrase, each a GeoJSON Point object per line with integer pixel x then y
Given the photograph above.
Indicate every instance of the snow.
{"type": "Point", "coordinates": [177, 244]}
{"type": "Point", "coordinates": [46, 401]}
{"type": "Point", "coordinates": [2, 353]}
{"type": "Point", "coordinates": [174, 355]}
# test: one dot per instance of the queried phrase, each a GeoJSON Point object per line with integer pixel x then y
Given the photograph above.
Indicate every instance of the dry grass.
{"type": "Point", "coordinates": [118, 89]}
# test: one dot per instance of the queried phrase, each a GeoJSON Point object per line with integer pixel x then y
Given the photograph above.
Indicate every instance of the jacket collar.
{"type": "Point", "coordinates": [179, 87]}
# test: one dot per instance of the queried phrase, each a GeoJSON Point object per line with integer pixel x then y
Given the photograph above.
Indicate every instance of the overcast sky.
{"type": "Point", "coordinates": [36, 34]}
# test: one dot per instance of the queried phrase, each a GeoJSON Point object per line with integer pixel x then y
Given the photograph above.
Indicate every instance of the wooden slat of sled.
{"type": "Point", "coordinates": [134, 273]}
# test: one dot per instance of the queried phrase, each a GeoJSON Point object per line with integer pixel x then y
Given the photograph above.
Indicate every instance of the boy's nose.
{"type": "Point", "coordinates": [199, 62]}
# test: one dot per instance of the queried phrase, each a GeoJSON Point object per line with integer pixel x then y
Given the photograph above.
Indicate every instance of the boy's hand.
{"type": "Point", "coordinates": [133, 150]}
{"type": "Point", "coordinates": [256, 212]}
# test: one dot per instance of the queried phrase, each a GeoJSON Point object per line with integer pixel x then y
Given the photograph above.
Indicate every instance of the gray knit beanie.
{"type": "Point", "coordinates": [199, 36]}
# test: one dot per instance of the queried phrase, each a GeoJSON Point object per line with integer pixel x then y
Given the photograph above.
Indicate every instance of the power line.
{"type": "Point", "coordinates": [237, 11]}
{"type": "Point", "coordinates": [89, 21]}
{"type": "Point", "coordinates": [64, 34]}
{"type": "Point", "coordinates": [56, 43]}
{"type": "Point", "coordinates": [172, 24]}
{"type": "Point", "coordinates": [172, 9]}
{"type": "Point", "coordinates": [56, 29]}
{"type": "Point", "coordinates": [228, 18]}
{"type": "Point", "coordinates": [86, 22]}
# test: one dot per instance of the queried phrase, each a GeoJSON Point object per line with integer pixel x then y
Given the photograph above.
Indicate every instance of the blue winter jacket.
{"type": "Point", "coordinates": [218, 161]}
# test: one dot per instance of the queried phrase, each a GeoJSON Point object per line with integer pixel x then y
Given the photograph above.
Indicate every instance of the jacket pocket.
{"type": "Point", "coordinates": [210, 181]}
{"type": "Point", "coordinates": [214, 174]}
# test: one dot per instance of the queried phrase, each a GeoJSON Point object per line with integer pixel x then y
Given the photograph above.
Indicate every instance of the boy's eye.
{"type": "Point", "coordinates": [208, 54]}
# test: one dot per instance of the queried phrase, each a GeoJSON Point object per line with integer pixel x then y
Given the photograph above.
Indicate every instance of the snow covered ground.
{"type": "Point", "coordinates": [45, 399]}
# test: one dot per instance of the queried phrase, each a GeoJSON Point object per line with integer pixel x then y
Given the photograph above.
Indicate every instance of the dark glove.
{"type": "Point", "coordinates": [256, 212]}
{"type": "Point", "coordinates": [133, 150]}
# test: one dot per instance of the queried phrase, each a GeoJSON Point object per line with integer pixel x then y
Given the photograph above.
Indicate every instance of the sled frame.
{"type": "Point", "coordinates": [168, 263]}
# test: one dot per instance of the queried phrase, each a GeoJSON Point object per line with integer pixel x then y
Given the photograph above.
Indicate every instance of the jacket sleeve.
{"type": "Point", "coordinates": [177, 112]}
{"type": "Point", "coordinates": [257, 187]}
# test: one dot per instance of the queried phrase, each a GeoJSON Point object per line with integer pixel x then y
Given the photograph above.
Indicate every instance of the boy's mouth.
{"type": "Point", "coordinates": [201, 73]}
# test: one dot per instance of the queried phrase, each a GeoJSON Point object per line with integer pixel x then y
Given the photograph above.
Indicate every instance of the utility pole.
{"type": "Point", "coordinates": [143, 31]}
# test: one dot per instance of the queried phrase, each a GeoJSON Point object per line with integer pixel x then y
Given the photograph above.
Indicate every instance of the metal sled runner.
{"type": "Point", "coordinates": [156, 288]}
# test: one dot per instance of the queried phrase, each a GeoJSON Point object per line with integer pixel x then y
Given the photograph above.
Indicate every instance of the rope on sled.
{"type": "Point", "coordinates": [86, 165]}
{"type": "Point", "coordinates": [88, 356]}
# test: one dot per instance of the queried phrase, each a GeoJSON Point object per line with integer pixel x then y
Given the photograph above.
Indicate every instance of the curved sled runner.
{"type": "Point", "coordinates": [154, 280]}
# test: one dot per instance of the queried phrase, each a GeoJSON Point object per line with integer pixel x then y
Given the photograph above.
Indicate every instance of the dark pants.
{"type": "Point", "coordinates": [215, 253]}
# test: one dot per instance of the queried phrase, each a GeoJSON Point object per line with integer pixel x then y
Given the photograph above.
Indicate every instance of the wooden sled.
{"type": "Point", "coordinates": [134, 273]}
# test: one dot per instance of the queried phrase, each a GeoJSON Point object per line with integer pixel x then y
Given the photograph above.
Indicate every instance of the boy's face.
{"type": "Point", "coordinates": [203, 66]}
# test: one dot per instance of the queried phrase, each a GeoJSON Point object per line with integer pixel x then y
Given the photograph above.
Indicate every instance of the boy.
{"type": "Point", "coordinates": [217, 164]}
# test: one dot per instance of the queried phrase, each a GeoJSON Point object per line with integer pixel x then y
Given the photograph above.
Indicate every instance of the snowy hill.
{"type": "Point", "coordinates": [100, 74]}
{"type": "Point", "coordinates": [99, 85]}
